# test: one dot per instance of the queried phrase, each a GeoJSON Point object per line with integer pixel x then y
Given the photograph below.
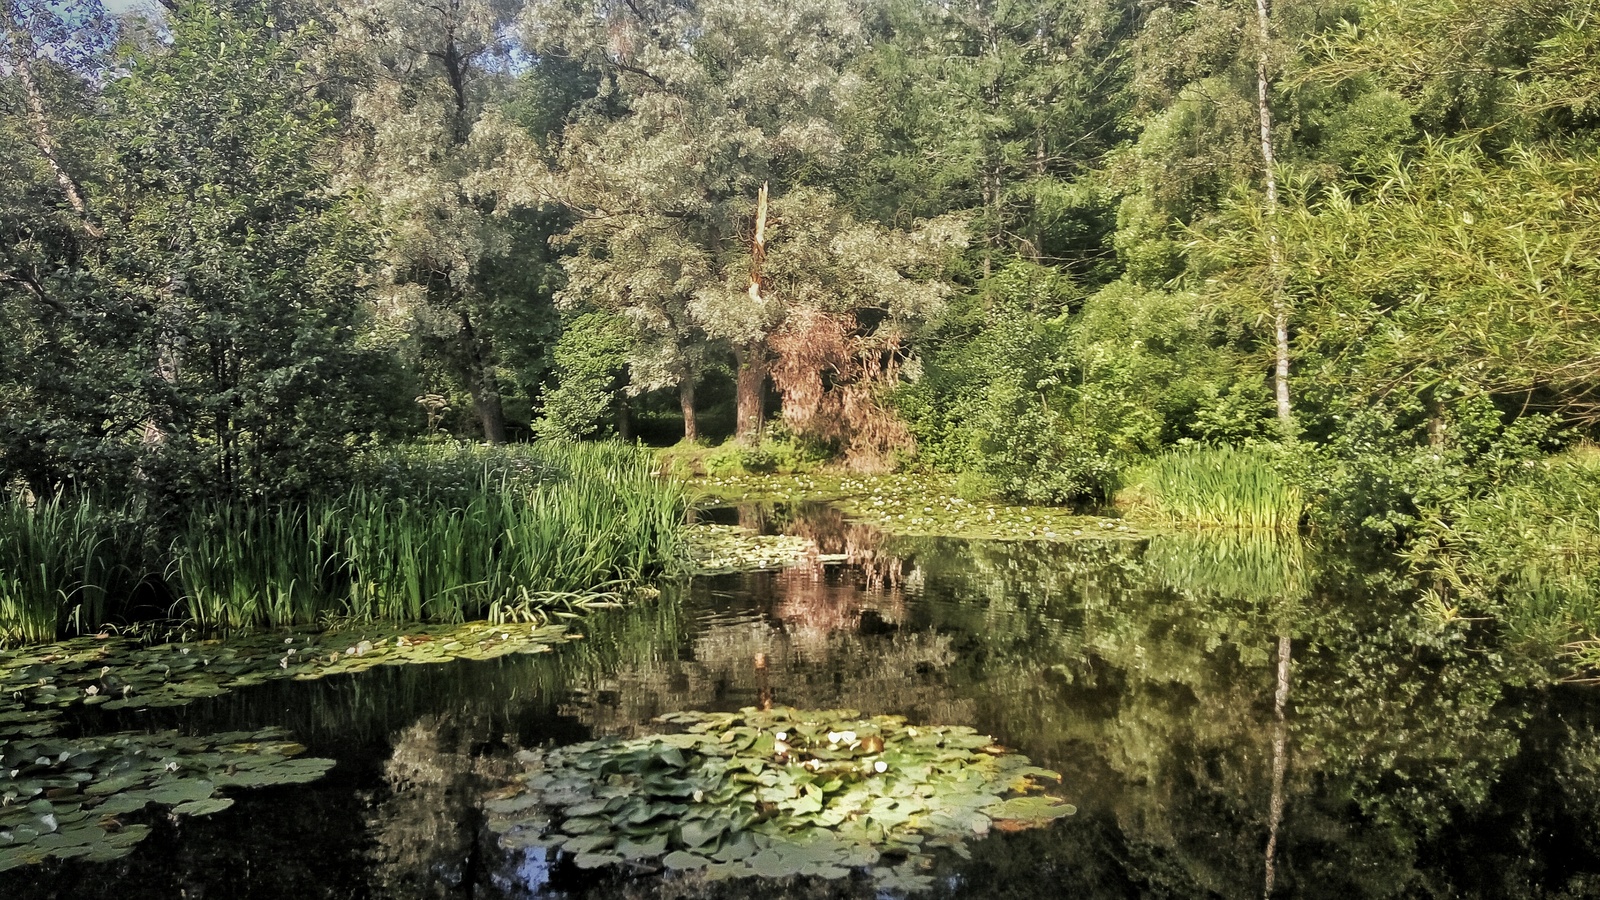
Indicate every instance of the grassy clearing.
{"type": "Point", "coordinates": [1217, 487]}
{"type": "Point", "coordinates": [427, 534]}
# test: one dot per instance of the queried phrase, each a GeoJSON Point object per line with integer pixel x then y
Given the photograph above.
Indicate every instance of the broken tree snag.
{"type": "Point", "coordinates": [750, 393]}
{"type": "Point", "coordinates": [758, 248]}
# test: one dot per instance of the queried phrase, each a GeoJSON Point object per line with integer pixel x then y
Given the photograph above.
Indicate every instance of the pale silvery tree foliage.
{"type": "Point", "coordinates": [424, 132]}
{"type": "Point", "coordinates": [700, 105]}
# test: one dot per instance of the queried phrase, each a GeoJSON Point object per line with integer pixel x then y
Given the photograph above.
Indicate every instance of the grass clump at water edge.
{"type": "Point", "coordinates": [437, 533]}
{"type": "Point", "coordinates": [1221, 487]}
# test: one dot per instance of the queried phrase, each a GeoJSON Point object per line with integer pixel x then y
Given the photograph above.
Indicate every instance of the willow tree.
{"type": "Point", "coordinates": [424, 129]}
{"type": "Point", "coordinates": [700, 105]}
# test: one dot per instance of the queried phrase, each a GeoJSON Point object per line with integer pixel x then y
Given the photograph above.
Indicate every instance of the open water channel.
{"type": "Point", "coordinates": [1396, 755]}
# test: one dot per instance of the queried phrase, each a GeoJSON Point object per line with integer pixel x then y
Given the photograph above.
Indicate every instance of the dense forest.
{"type": "Point", "coordinates": [1345, 255]}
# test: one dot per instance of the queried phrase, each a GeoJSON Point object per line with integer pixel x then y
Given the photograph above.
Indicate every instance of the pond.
{"type": "Point", "coordinates": [1204, 699]}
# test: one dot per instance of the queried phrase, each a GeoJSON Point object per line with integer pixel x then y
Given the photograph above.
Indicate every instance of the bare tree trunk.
{"type": "Point", "coordinates": [691, 430]}
{"type": "Point", "coordinates": [485, 386]}
{"type": "Point", "coordinates": [1280, 759]}
{"type": "Point", "coordinates": [1275, 275]}
{"type": "Point", "coordinates": [750, 392]}
{"type": "Point", "coordinates": [624, 419]}
{"type": "Point", "coordinates": [38, 122]}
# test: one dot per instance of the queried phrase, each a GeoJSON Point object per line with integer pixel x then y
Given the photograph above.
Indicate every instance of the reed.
{"type": "Point", "coordinates": [1220, 487]}
{"type": "Point", "coordinates": [243, 565]}
{"type": "Point", "coordinates": [437, 533]}
{"type": "Point", "coordinates": [440, 534]}
{"type": "Point", "coordinates": [63, 563]}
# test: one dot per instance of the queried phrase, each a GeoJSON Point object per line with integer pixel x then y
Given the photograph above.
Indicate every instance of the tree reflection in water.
{"type": "Point", "coordinates": [1409, 757]}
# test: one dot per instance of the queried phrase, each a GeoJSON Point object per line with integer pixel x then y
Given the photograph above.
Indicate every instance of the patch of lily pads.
{"type": "Point", "coordinates": [775, 793]}
{"type": "Point", "coordinates": [120, 672]}
{"type": "Point", "coordinates": [721, 549]}
{"type": "Point", "coordinates": [917, 505]}
{"type": "Point", "coordinates": [67, 798]}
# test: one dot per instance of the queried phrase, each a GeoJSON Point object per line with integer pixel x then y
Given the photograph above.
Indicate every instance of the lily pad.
{"type": "Point", "coordinates": [775, 793]}
{"type": "Point", "coordinates": [96, 779]}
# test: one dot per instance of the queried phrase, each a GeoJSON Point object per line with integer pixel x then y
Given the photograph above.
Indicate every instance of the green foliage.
{"type": "Point", "coordinates": [1378, 477]}
{"type": "Point", "coordinates": [248, 268]}
{"type": "Point", "coordinates": [773, 793]}
{"type": "Point", "coordinates": [590, 365]}
{"type": "Point", "coordinates": [1219, 487]}
{"type": "Point", "coordinates": [65, 565]}
{"type": "Point", "coordinates": [1052, 397]}
{"type": "Point", "coordinates": [1524, 553]}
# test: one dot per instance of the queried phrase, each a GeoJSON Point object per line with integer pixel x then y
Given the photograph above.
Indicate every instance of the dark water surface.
{"type": "Point", "coordinates": [1406, 755]}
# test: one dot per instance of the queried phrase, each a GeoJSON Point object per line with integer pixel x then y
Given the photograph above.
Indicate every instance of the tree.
{"type": "Point", "coordinates": [1000, 109]}
{"type": "Point", "coordinates": [702, 108]}
{"type": "Point", "coordinates": [245, 267]}
{"type": "Point", "coordinates": [467, 274]}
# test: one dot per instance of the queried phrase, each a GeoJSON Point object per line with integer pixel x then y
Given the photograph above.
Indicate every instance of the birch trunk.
{"type": "Point", "coordinates": [1275, 275]}
{"type": "Point", "coordinates": [38, 122]}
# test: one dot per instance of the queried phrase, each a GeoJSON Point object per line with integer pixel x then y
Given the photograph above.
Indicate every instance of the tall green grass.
{"type": "Point", "coordinates": [440, 534]}
{"type": "Point", "coordinates": [1220, 487]}
{"type": "Point", "coordinates": [63, 564]}
{"type": "Point", "coordinates": [436, 533]}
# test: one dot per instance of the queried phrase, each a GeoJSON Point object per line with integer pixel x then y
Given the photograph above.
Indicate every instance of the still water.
{"type": "Point", "coordinates": [1205, 698]}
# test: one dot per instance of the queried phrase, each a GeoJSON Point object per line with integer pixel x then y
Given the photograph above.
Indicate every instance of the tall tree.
{"type": "Point", "coordinates": [465, 274]}
{"type": "Point", "coordinates": [246, 268]}
{"type": "Point", "coordinates": [703, 107]}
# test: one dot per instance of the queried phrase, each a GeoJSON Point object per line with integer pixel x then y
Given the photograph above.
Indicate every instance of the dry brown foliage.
{"type": "Point", "coordinates": [833, 379]}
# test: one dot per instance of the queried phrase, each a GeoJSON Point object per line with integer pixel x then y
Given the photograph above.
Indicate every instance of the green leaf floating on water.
{"type": "Point", "coordinates": [775, 793]}
{"type": "Point", "coordinates": [119, 672]}
{"type": "Point", "coordinates": [61, 797]}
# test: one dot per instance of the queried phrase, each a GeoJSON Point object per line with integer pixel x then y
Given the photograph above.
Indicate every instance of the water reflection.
{"type": "Point", "coordinates": [1233, 716]}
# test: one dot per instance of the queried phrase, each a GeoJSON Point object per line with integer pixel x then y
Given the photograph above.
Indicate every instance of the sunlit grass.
{"type": "Point", "coordinates": [440, 533]}
{"type": "Point", "coordinates": [1220, 487]}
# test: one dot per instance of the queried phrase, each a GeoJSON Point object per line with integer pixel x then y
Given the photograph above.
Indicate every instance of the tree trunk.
{"type": "Point", "coordinates": [1280, 760]}
{"type": "Point", "coordinates": [750, 393]}
{"type": "Point", "coordinates": [485, 386]}
{"type": "Point", "coordinates": [38, 122]}
{"type": "Point", "coordinates": [691, 430]}
{"type": "Point", "coordinates": [1275, 275]}
{"type": "Point", "coordinates": [624, 419]}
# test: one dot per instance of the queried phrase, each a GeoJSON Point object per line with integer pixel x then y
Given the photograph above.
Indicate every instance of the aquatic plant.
{"type": "Point", "coordinates": [720, 549]}
{"type": "Point", "coordinates": [774, 793]}
{"type": "Point", "coordinates": [1220, 487]}
{"type": "Point", "coordinates": [913, 505]}
{"type": "Point", "coordinates": [441, 534]}
{"type": "Point", "coordinates": [62, 797]}
{"type": "Point", "coordinates": [62, 562]}
{"type": "Point", "coordinates": [242, 565]}
{"type": "Point", "coordinates": [126, 673]}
